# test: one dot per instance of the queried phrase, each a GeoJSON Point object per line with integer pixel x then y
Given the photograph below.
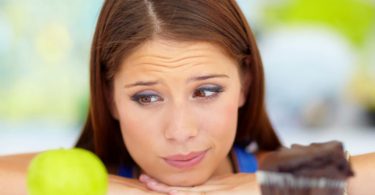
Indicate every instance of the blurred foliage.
{"type": "Point", "coordinates": [44, 54]}
{"type": "Point", "coordinates": [362, 88]}
{"type": "Point", "coordinates": [352, 18]}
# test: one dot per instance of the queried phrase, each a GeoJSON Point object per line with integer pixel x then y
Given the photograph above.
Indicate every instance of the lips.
{"type": "Point", "coordinates": [185, 161]}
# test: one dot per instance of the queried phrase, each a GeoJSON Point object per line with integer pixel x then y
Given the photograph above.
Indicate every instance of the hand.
{"type": "Point", "coordinates": [235, 184]}
{"type": "Point", "coordinates": [120, 186]}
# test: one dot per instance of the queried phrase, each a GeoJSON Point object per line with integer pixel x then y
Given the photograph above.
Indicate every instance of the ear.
{"type": "Point", "coordinates": [245, 77]}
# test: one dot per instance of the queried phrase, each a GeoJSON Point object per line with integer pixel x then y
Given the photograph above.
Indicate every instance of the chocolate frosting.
{"type": "Point", "coordinates": [316, 160]}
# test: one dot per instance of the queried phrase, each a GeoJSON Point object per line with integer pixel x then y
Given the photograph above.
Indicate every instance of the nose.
{"type": "Point", "coordinates": [181, 125]}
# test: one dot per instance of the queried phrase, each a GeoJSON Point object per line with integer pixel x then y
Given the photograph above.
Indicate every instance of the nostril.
{"type": "Point", "coordinates": [181, 135]}
{"type": "Point", "coordinates": [180, 123]}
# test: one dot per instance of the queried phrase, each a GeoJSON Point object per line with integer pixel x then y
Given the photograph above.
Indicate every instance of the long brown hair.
{"type": "Point", "coordinates": [125, 24]}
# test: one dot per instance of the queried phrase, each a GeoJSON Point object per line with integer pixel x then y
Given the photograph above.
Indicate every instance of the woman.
{"type": "Point", "coordinates": [177, 94]}
{"type": "Point", "coordinates": [167, 79]}
{"type": "Point", "coordinates": [174, 60]}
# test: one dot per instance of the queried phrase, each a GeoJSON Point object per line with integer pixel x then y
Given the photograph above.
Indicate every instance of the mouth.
{"type": "Point", "coordinates": [185, 161]}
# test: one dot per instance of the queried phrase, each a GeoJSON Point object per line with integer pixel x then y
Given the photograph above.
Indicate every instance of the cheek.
{"type": "Point", "coordinates": [138, 131]}
{"type": "Point", "coordinates": [220, 121]}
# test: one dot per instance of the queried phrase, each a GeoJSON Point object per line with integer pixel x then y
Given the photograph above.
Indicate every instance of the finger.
{"type": "Point", "coordinates": [159, 187]}
{"type": "Point", "coordinates": [220, 192]}
{"type": "Point", "coordinates": [144, 178]}
{"type": "Point", "coordinates": [163, 188]}
{"type": "Point", "coordinates": [199, 190]}
{"type": "Point", "coordinates": [202, 188]}
{"type": "Point", "coordinates": [147, 179]}
{"type": "Point", "coordinates": [154, 185]}
{"type": "Point", "coordinates": [176, 192]}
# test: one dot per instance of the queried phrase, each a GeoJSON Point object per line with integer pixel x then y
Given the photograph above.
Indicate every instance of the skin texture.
{"type": "Point", "coordinates": [190, 94]}
{"type": "Point", "coordinates": [364, 175]}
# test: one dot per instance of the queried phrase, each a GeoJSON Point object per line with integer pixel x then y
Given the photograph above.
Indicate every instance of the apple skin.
{"type": "Point", "coordinates": [67, 172]}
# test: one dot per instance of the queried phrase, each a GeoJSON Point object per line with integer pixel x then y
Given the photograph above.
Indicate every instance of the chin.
{"type": "Point", "coordinates": [185, 180]}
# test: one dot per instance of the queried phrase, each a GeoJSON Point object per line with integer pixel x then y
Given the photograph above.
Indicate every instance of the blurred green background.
{"type": "Point", "coordinates": [318, 57]}
{"type": "Point", "coordinates": [44, 47]}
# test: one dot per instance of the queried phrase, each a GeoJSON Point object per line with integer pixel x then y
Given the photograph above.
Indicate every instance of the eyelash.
{"type": "Point", "coordinates": [139, 97]}
{"type": "Point", "coordinates": [215, 90]}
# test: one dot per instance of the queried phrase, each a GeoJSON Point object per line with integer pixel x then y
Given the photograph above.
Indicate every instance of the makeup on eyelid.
{"type": "Point", "coordinates": [197, 78]}
{"type": "Point", "coordinates": [207, 91]}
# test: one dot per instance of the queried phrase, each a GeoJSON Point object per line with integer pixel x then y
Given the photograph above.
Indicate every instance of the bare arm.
{"type": "Point", "coordinates": [13, 170]}
{"type": "Point", "coordinates": [364, 168]}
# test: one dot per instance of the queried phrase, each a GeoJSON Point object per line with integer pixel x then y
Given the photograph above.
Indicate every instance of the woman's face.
{"type": "Point", "coordinates": [177, 105]}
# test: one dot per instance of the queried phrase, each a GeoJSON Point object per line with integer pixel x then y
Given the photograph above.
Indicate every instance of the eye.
{"type": "Point", "coordinates": [207, 92]}
{"type": "Point", "coordinates": [145, 99]}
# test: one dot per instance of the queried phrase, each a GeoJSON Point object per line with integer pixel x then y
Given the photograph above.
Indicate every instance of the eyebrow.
{"type": "Point", "coordinates": [205, 77]}
{"type": "Point", "coordinates": [198, 78]}
{"type": "Point", "coordinates": [141, 83]}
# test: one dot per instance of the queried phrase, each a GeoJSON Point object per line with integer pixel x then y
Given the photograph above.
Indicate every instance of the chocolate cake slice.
{"type": "Point", "coordinates": [320, 168]}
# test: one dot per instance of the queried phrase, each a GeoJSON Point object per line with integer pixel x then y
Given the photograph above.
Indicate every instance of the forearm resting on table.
{"type": "Point", "coordinates": [13, 170]}
{"type": "Point", "coordinates": [364, 170]}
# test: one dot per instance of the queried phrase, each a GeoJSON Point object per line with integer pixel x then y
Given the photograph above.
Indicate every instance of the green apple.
{"type": "Point", "coordinates": [67, 172]}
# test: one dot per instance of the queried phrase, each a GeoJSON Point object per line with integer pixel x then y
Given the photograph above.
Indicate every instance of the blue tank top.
{"type": "Point", "coordinates": [246, 163]}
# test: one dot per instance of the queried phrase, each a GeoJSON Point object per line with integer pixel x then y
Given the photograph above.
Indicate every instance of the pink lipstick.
{"type": "Point", "coordinates": [185, 161]}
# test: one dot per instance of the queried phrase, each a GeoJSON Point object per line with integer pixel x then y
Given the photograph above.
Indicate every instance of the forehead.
{"type": "Point", "coordinates": [173, 54]}
{"type": "Point", "coordinates": [168, 48]}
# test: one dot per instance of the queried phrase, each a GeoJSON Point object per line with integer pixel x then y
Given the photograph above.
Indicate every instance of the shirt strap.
{"type": "Point", "coordinates": [246, 161]}
{"type": "Point", "coordinates": [125, 171]}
